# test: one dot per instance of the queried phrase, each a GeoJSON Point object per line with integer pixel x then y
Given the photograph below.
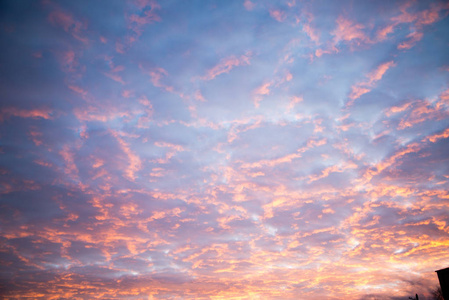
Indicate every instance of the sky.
{"type": "Point", "coordinates": [211, 149]}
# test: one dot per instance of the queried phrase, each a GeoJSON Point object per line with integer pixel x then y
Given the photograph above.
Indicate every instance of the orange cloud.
{"type": "Point", "coordinates": [422, 111]}
{"type": "Point", "coordinates": [364, 87]}
{"type": "Point", "coordinates": [438, 136]}
{"type": "Point", "coordinates": [397, 109]}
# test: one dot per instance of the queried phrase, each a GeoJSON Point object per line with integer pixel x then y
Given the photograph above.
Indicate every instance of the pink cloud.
{"type": "Point", "coordinates": [119, 47]}
{"type": "Point", "coordinates": [112, 74]}
{"type": "Point", "coordinates": [278, 15]}
{"type": "Point", "coordinates": [347, 31]}
{"type": "Point", "coordinates": [98, 114]}
{"type": "Point", "coordinates": [438, 136]}
{"type": "Point", "coordinates": [414, 37]}
{"type": "Point", "coordinates": [146, 3]}
{"type": "Point", "coordinates": [68, 156]}
{"type": "Point", "coordinates": [377, 74]}
{"type": "Point", "coordinates": [391, 160]}
{"type": "Point", "coordinates": [135, 163]}
{"type": "Point", "coordinates": [226, 65]}
{"type": "Point", "coordinates": [115, 77]}
{"type": "Point", "coordinates": [332, 169]}
{"type": "Point", "coordinates": [249, 5]}
{"type": "Point", "coordinates": [68, 23]}
{"type": "Point", "coordinates": [264, 89]}
{"type": "Point", "coordinates": [422, 111]}
{"type": "Point", "coordinates": [358, 91]}
{"type": "Point", "coordinates": [78, 90]}
{"type": "Point", "coordinates": [157, 75]}
{"type": "Point", "coordinates": [405, 17]}
{"type": "Point", "coordinates": [43, 113]}
{"type": "Point", "coordinates": [418, 19]}
{"type": "Point", "coordinates": [69, 62]}
{"type": "Point", "coordinates": [431, 15]}
{"type": "Point", "coordinates": [293, 101]}
{"type": "Point", "coordinates": [384, 32]}
{"type": "Point", "coordinates": [320, 52]}
{"type": "Point", "coordinates": [260, 91]}
{"type": "Point", "coordinates": [36, 136]}
{"type": "Point", "coordinates": [365, 86]}
{"type": "Point", "coordinates": [137, 22]}
{"type": "Point", "coordinates": [311, 32]}
{"type": "Point", "coordinates": [443, 99]}
{"type": "Point", "coordinates": [199, 96]}
{"type": "Point", "coordinates": [127, 93]}
{"type": "Point", "coordinates": [397, 109]}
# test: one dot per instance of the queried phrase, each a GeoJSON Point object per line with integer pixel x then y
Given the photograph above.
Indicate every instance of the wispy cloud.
{"type": "Point", "coordinates": [365, 86]}
{"type": "Point", "coordinates": [278, 15]}
{"type": "Point", "coordinates": [227, 64]}
{"type": "Point", "coordinates": [44, 113]}
{"type": "Point", "coordinates": [347, 30]}
{"type": "Point", "coordinates": [66, 20]}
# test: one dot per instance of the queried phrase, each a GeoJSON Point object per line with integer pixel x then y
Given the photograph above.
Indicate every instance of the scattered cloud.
{"type": "Point", "coordinates": [278, 15]}
{"type": "Point", "coordinates": [365, 86]}
{"type": "Point", "coordinates": [157, 150]}
{"type": "Point", "coordinates": [226, 65]}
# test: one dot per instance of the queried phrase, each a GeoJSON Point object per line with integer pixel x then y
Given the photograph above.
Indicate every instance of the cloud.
{"type": "Point", "coordinates": [347, 31]}
{"type": "Point", "coordinates": [397, 109]}
{"type": "Point", "coordinates": [294, 100]}
{"type": "Point", "coordinates": [437, 136]}
{"type": "Point", "coordinates": [278, 15]}
{"type": "Point", "coordinates": [383, 33]}
{"type": "Point", "coordinates": [364, 87]}
{"type": "Point", "coordinates": [260, 91]}
{"type": "Point", "coordinates": [414, 37]}
{"type": "Point", "coordinates": [420, 112]}
{"type": "Point", "coordinates": [249, 5]}
{"type": "Point", "coordinates": [226, 65]}
{"type": "Point", "coordinates": [157, 75]}
{"type": "Point", "coordinates": [44, 113]}
{"type": "Point", "coordinates": [311, 32]}
{"type": "Point", "coordinates": [66, 20]}
{"type": "Point", "coordinates": [147, 15]}
{"type": "Point", "coordinates": [417, 20]}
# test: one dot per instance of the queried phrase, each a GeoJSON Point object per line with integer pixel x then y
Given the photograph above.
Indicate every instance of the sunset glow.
{"type": "Point", "coordinates": [223, 149]}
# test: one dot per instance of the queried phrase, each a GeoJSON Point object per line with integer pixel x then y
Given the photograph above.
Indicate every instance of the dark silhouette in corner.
{"type": "Point", "coordinates": [443, 277]}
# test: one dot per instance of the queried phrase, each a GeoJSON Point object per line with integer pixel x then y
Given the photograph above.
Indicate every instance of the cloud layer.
{"type": "Point", "coordinates": [223, 149]}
